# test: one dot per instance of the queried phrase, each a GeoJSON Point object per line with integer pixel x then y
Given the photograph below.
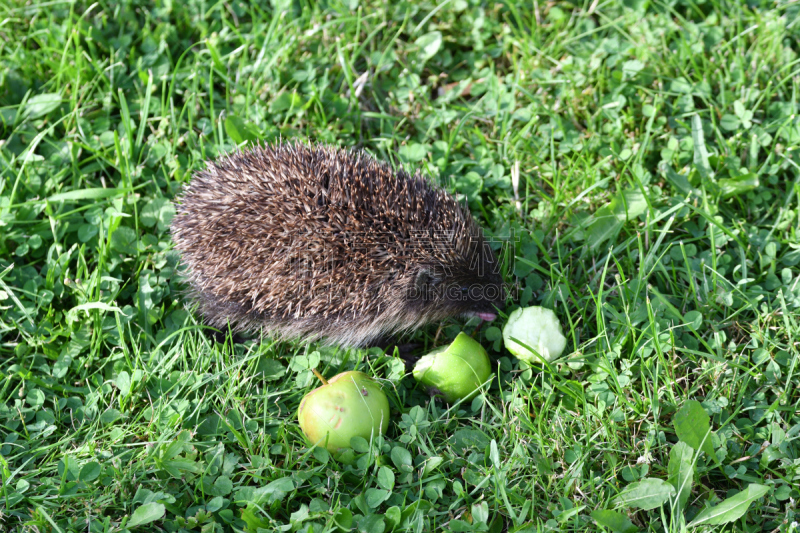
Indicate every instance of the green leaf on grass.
{"type": "Point", "coordinates": [87, 231]}
{"type": "Point", "coordinates": [429, 44]}
{"type": "Point", "coordinates": [222, 486]}
{"type": "Point", "coordinates": [648, 493]}
{"type": "Point", "coordinates": [693, 426]}
{"type": "Point", "coordinates": [41, 104]}
{"type": "Point", "coordinates": [252, 521]}
{"type": "Point", "coordinates": [284, 102]}
{"type": "Point", "coordinates": [431, 464]}
{"type": "Point", "coordinates": [343, 519]}
{"type": "Point", "coordinates": [693, 319]}
{"type": "Point", "coordinates": [392, 516]}
{"type": "Point", "coordinates": [466, 439]}
{"type": "Point", "coordinates": [732, 508]}
{"type": "Point", "coordinates": [91, 193]}
{"type": "Point", "coordinates": [372, 523]}
{"type": "Point", "coordinates": [679, 181]}
{"type": "Point", "coordinates": [412, 153]}
{"type": "Point", "coordinates": [239, 130]}
{"type": "Point", "coordinates": [681, 471]}
{"type": "Point", "coordinates": [700, 152]}
{"type": "Point", "coordinates": [738, 185]}
{"type": "Point", "coordinates": [401, 458]}
{"type": "Point", "coordinates": [270, 369]}
{"type": "Point", "coordinates": [110, 416]}
{"type": "Point", "coordinates": [609, 219]}
{"type": "Point", "coordinates": [89, 472]}
{"type": "Point", "coordinates": [631, 68]}
{"type": "Point", "coordinates": [375, 497]}
{"type": "Point", "coordinates": [123, 383]}
{"type": "Point", "coordinates": [274, 491]}
{"type": "Point", "coordinates": [480, 513]}
{"type": "Point", "coordinates": [124, 240]}
{"type": "Point", "coordinates": [157, 211]}
{"type": "Point", "coordinates": [149, 512]}
{"type": "Point", "coordinates": [745, 115]}
{"type": "Point", "coordinates": [386, 478]}
{"type": "Point", "coordinates": [614, 520]}
{"type": "Point", "coordinates": [729, 122]}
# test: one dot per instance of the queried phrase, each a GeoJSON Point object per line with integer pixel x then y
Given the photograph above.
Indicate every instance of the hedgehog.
{"type": "Point", "coordinates": [310, 243]}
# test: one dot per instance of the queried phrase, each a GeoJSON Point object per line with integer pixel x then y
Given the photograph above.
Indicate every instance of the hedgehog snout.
{"type": "Point", "coordinates": [483, 298]}
{"type": "Point", "coordinates": [488, 309]}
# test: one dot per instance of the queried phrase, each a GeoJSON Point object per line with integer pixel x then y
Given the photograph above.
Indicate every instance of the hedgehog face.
{"type": "Point", "coordinates": [482, 297]}
{"type": "Point", "coordinates": [439, 293]}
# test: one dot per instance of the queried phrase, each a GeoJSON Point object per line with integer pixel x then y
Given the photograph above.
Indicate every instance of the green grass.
{"type": "Point", "coordinates": [658, 147]}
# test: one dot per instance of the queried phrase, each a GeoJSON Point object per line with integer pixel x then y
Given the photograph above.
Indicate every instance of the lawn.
{"type": "Point", "coordinates": [640, 158]}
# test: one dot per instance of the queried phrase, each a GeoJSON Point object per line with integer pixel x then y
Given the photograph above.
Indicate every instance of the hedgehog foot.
{"type": "Point", "coordinates": [222, 336]}
{"type": "Point", "coordinates": [405, 351]}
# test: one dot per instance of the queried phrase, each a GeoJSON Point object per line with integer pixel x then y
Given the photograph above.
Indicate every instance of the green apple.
{"type": "Point", "coordinates": [456, 371]}
{"type": "Point", "coordinates": [350, 404]}
{"type": "Point", "coordinates": [537, 328]}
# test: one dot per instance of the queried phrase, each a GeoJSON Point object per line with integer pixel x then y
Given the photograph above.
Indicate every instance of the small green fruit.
{"type": "Point", "coordinates": [351, 404]}
{"type": "Point", "coordinates": [539, 329]}
{"type": "Point", "coordinates": [456, 371]}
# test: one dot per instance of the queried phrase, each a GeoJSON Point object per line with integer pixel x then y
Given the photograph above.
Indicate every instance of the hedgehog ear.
{"type": "Point", "coordinates": [422, 280]}
{"type": "Point", "coordinates": [426, 279]}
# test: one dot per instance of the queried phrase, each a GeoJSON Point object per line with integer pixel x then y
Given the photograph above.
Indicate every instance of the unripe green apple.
{"type": "Point", "coordinates": [537, 328]}
{"type": "Point", "coordinates": [350, 404]}
{"type": "Point", "coordinates": [456, 371]}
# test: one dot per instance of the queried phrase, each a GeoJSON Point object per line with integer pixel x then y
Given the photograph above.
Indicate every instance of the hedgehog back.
{"type": "Point", "coordinates": [313, 242]}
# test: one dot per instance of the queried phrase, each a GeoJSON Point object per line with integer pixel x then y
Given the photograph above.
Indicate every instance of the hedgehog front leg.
{"type": "Point", "coordinates": [405, 351]}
